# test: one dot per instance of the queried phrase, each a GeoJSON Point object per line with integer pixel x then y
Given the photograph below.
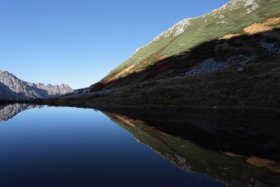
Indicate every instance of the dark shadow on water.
{"type": "Point", "coordinates": [244, 131]}
{"type": "Point", "coordinates": [240, 148]}
{"type": "Point", "coordinates": [236, 147]}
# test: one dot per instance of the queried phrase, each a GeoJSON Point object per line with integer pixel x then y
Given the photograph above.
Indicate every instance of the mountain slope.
{"type": "Point", "coordinates": [12, 88]}
{"type": "Point", "coordinates": [227, 58]}
{"type": "Point", "coordinates": [233, 19]}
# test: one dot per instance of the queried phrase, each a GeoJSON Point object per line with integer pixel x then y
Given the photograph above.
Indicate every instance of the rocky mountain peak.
{"type": "Point", "coordinates": [249, 5]}
{"type": "Point", "coordinates": [181, 26]}
{"type": "Point", "coordinates": [175, 30]}
{"type": "Point", "coordinates": [12, 87]}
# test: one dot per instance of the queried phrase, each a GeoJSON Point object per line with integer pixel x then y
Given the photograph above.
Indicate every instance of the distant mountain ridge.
{"type": "Point", "coordinates": [14, 88]}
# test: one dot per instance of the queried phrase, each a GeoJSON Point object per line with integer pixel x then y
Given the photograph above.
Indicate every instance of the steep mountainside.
{"type": "Point", "coordinates": [236, 18]}
{"type": "Point", "coordinates": [227, 58]}
{"type": "Point", "coordinates": [12, 87]}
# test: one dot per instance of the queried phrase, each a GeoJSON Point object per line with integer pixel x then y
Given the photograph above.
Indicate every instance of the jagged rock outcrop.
{"type": "Point", "coordinates": [12, 88]}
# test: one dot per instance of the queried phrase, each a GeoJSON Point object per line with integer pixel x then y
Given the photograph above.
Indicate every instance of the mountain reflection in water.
{"type": "Point", "coordinates": [239, 148]}
{"type": "Point", "coordinates": [7, 112]}
{"type": "Point", "coordinates": [173, 139]}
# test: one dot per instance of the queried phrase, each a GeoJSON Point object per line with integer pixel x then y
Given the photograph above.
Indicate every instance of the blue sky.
{"type": "Point", "coordinates": [79, 41]}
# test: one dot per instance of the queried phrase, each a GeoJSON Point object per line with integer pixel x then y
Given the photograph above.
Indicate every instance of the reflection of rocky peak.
{"type": "Point", "coordinates": [9, 111]}
{"type": "Point", "coordinates": [143, 134]}
{"type": "Point", "coordinates": [12, 87]}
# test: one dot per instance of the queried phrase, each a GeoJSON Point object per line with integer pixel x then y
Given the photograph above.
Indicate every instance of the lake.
{"type": "Point", "coordinates": [62, 146]}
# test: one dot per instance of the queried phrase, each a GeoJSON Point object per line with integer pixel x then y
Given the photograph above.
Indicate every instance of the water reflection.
{"type": "Point", "coordinates": [230, 168]}
{"type": "Point", "coordinates": [237, 148]}
{"type": "Point", "coordinates": [7, 112]}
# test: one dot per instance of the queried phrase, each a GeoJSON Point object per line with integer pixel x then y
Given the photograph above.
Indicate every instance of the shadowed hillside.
{"type": "Point", "coordinates": [220, 55]}
{"type": "Point", "coordinates": [227, 58]}
{"type": "Point", "coordinates": [242, 71]}
{"type": "Point", "coordinates": [238, 17]}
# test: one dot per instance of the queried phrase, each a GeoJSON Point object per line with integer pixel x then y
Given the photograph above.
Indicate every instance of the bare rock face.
{"type": "Point", "coordinates": [12, 87]}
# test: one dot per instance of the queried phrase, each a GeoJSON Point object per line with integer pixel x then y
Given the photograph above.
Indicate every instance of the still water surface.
{"type": "Point", "coordinates": [81, 147]}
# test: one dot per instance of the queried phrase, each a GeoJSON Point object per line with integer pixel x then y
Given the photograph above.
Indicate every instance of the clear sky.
{"type": "Point", "coordinates": [79, 41]}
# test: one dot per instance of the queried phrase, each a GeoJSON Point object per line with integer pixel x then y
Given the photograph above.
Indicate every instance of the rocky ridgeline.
{"type": "Point", "coordinates": [12, 87]}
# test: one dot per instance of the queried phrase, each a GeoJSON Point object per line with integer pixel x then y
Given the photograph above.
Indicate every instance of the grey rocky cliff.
{"type": "Point", "coordinates": [12, 87]}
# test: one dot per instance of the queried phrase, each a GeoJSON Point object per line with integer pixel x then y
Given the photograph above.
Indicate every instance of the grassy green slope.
{"type": "Point", "coordinates": [231, 18]}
